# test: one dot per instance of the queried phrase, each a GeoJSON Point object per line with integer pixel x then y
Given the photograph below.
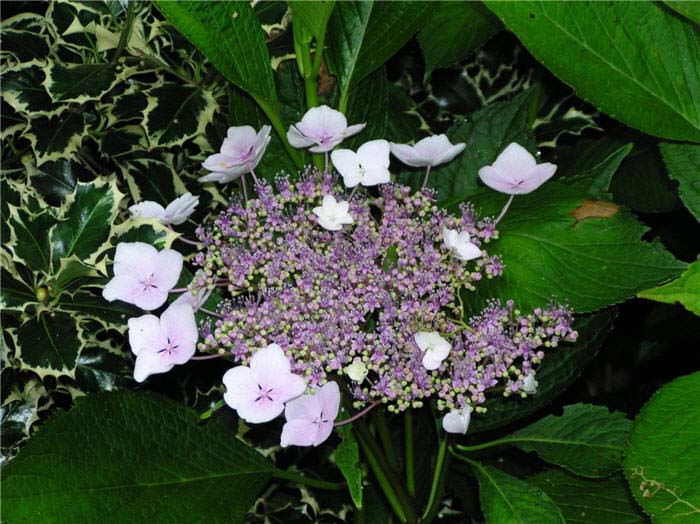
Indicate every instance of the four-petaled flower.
{"type": "Point", "coordinates": [310, 417]}
{"type": "Point", "coordinates": [431, 151]}
{"type": "Point", "coordinates": [161, 343]}
{"type": "Point", "coordinates": [322, 126]}
{"type": "Point", "coordinates": [516, 172]}
{"type": "Point", "coordinates": [332, 215]}
{"type": "Point", "coordinates": [143, 276]}
{"type": "Point", "coordinates": [369, 166]}
{"type": "Point", "coordinates": [459, 243]}
{"type": "Point", "coordinates": [357, 371]}
{"type": "Point", "coordinates": [457, 421]}
{"type": "Point", "coordinates": [435, 348]}
{"type": "Point", "coordinates": [259, 390]}
{"type": "Point", "coordinates": [240, 153]}
{"type": "Point", "coordinates": [175, 213]}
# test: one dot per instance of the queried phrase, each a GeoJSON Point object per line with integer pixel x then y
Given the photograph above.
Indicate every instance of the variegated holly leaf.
{"type": "Point", "coordinates": [112, 315]}
{"type": "Point", "coordinates": [101, 370]}
{"type": "Point", "coordinates": [80, 83]}
{"type": "Point", "coordinates": [126, 107]}
{"type": "Point", "coordinates": [176, 113]}
{"type": "Point", "coordinates": [57, 136]}
{"type": "Point", "coordinates": [87, 219]}
{"type": "Point", "coordinates": [71, 273]}
{"type": "Point", "coordinates": [15, 294]}
{"type": "Point", "coordinates": [54, 180]}
{"type": "Point", "coordinates": [12, 121]}
{"type": "Point", "coordinates": [120, 141]}
{"type": "Point", "coordinates": [49, 344]}
{"type": "Point", "coordinates": [151, 179]}
{"type": "Point", "coordinates": [22, 88]}
{"type": "Point", "coordinates": [148, 230]}
{"type": "Point", "coordinates": [29, 238]}
{"type": "Point", "coordinates": [25, 45]}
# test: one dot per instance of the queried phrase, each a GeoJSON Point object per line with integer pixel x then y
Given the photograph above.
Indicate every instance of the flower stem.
{"type": "Point", "coordinates": [484, 445]}
{"type": "Point", "coordinates": [503, 211]}
{"type": "Point", "coordinates": [437, 487]}
{"type": "Point", "coordinates": [385, 437]}
{"type": "Point", "coordinates": [409, 452]}
{"type": "Point", "coordinates": [425, 179]}
{"type": "Point", "coordinates": [209, 312]}
{"type": "Point", "coordinates": [205, 357]}
{"type": "Point", "coordinates": [245, 189]}
{"type": "Point", "coordinates": [307, 481]}
{"type": "Point", "coordinates": [190, 242]}
{"type": "Point", "coordinates": [357, 415]}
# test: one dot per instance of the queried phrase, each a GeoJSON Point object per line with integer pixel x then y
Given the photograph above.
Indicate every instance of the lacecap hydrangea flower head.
{"type": "Point", "coordinates": [345, 283]}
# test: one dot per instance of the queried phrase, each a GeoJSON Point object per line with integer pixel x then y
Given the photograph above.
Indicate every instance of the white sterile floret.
{"type": "Point", "coordinates": [435, 348]}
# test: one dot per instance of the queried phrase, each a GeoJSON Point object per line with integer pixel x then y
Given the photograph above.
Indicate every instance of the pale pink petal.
{"type": "Point", "coordinates": [296, 139]}
{"type": "Point", "coordinates": [241, 387]}
{"type": "Point", "coordinates": [431, 148]}
{"type": "Point", "coordinates": [145, 333]}
{"type": "Point", "coordinates": [270, 363]}
{"type": "Point", "coordinates": [262, 138]}
{"type": "Point", "coordinates": [147, 209]}
{"type": "Point", "coordinates": [135, 259]}
{"type": "Point", "coordinates": [323, 431]}
{"type": "Point", "coordinates": [407, 155]}
{"type": "Point", "coordinates": [329, 398]}
{"type": "Point", "coordinates": [322, 120]}
{"type": "Point", "coordinates": [122, 287]}
{"type": "Point", "coordinates": [353, 130]}
{"type": "Point", "coordinates": [298, 432]}
{"type": "Point", "coordinates": [376, 175]}
{"type": "Point", "coordinates": [151, 363]}
{"type": "Point", "coordinates": [495, 180]}
{"type": "Point", "coordinates": [305, 407]}
{"type": "Point", "coordinates": [538, 176]}
{"type": "Point", "coordinates": [214, 177]}
{"type": "Point", "coordinates": [150, 298]}
{"type": "Point", "coordinates": [456, 421]}
{"type": "Point", "coordinates": [347, 163]}
{"type": "Point", "coordinates": [374, 154]}
{"type": "Point", "coordinates": [179, 325]}
{"type": "Point", "coordinates": [239, 141]}
{"type": "Point", "coordinates": [327, 145]}
{"type": "Point", "coordinates": [450, 154]}
{"type": "Point", "coordinates": [219, 163]}
{"type": "Point", "coordinates": [167, 270]}
{"type": "Point", "coordinates": [515, 160]}
{"type": "Point", "coordinates": [179, 209]}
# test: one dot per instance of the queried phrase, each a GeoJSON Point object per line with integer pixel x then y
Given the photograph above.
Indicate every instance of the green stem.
{"type": "Point", "coordinates": [437, 487]}
{"type": "Point", "coordinates": [398, 497]}
{"type": "Point", "coordinates": [409, 452]}
{"type": "Point", "coordinates": [269, 110]}
{"type": "Point", "coordinates": [486, 445]}
{"type": "Point", "coordinates": [385, 437]}
{"type": "Point", "coordinates": [307, 481]}
{"type": "Point", "coordinates": [126, 32]}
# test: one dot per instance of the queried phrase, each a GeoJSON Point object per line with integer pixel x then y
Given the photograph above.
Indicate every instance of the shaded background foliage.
{"type": "Point", "coordinates": [104, 105]}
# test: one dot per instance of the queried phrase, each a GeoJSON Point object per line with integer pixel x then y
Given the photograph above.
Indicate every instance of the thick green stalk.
{"type": "Point", "coordinates": [485, 445]}
{"type": "Point", "coordinates": [437, 487]}
{"type": "Point", "coordinates": [126, 32]}
{"type": "Point", "coordinates": [274, 117]}
{"type": "Point", "coordinates": [385, 437]}
{"type": "Point", "coordinates": [409, 452]}
{"type": "Point", "coordinates": [396, 494]}
{"type": "Point", "coordinates": [307, 481]}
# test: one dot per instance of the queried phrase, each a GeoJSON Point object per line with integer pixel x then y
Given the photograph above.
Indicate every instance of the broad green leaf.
{"type": "Point", "coordinates": [683, 163]}
{"type": "Point", "coordinates": [87, 220]}
{"type": "Point", "coordinates": [120, 141]}
{"type": "Point", "coordinates": [455, 30]}
{"type": "Point", "coordinates": [486, 132]}
{"type": "Point", "coordinates": [151, 179]}
{"type": "Point", "coordinates": [602, 173]}
{"type": "Point", "coordinates": [25, 45]}
{"type": "Point", "coordinates": [29, 240]}
{"type": "Point", "coordinates": [363, 35]}
{"type": "Point", "coordinates": [22, 88]}
{"type": "Point", "coordinates": [132, 457]}
{"type": "Point", "coordinates": [100, 370]}
{"type": "Point", "coordinates": [314, 15]}
{"type": "Point", "coordinates": [685, 289]}
{"type": "Point", "coordinates": [587, 440]}
{"type": "Point", "coordinates": [230, 36]}
{"type": "Point", "coordinates": [15, 294]}
{"type": "Point", "coordinates": [589, 501]}
{"type": "Point", "coordinates": [689, 9]}
{"type": "Point", "coordinates": [49, 344]}
{"type": "Point", "coordinates": [347, 457]}
{"type": "Point", "coordinates": [176, 113]}
{"type": "Point", "coordinates": [79, 83]}
{"type": "Point", "coordinates": [509, 500]}
{"type": "Point", "coordinates": [559, 369]}
{"type": "Point", "coordinates": [662, 462]}
{"type": "Point", "coordinates": [55, 137]}
{"type": "Point", "coordinates": [369, 104]}
{"type": "Point", "coordinates": [55, 180]}
{"type": "Point", "coordinates": [633, 60]}
{"type": "Point", "coordinates": [557, 243]}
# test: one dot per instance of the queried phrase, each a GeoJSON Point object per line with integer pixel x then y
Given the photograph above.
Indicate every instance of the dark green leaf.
{"type": "Point", "coordinates": [487, 132]}
{"type": "Point", "coordinates": [634, 60]}
{"type": "Point", "coordinates": [16, 295]}
{"type": "Point", "coordinates": [587, 440]}
{"type": "Point", "coordinates": [49, 344]}
{"type": "Point", "coordinates": [80, 83]}
{"type": "Point", "coordinates": [363, 35]}
{"type": "Point", "coordinates": [589, 501]}
{"type": "Point", "coordinates": [22, 88]}
{"type": "Point", "coordinates": [55, 180]}
{"type": "Point", "coordinates": [87, 304]}
{"type": "Point", "coordinates": [70, 274]}
{"type": "Point", "coordinates": [126, 457]}
{"type": "Point", "coordinates": [602, 173]}
{"type": "Point", "coordinates": [176, 113]}
{"type": "Point", "coordinates": [683, 163]}
{"type": "Point", "coordinates": [509, 500]}
{"type": "Point", "coordinates": [691, 10]}
{"type": "Point", "coordinates": [25, 45]}
{"type": "Point", "coordinates": [30, 239]}
{"type": "Point", "coordinates": [230, 36]}
{"type": "Point", "coordinates": [685, 290]}
{"type": "Point", "coordinates": [100, 370]}
{"type": "Point", "coordinates": [559, 369]}
{"type": "Point", "coordinates": [662, 463]}
{"type": "Point", "coordinates": [347, 457]}
{"type": "Point", "coordinates": [589, 260]}
{"type": "Point", "coordinates": [314, 15]}
{"type": "Point", "coordinates": [453, 31]}
{"type": "Point", "coordinates": [369, 104]}
{"type": "Point", "coordinates": [87, 220]}
{"type": "Point", "coordinates": [151, 180]}
{"type": "Point", "coordinates": [57, 136]}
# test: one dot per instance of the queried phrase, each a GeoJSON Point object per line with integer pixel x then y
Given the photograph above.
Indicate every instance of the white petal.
{"type": "Point", "coordinates": [298, 140]}
{"type": "Point", "coordinates": [450, 154]}
{"type": "Point", "coordinates": [179, 209]}
{"type": "Point", "coordinates": [407, 155]}
{"type": "Point", "coordinates": [457, 421]}
{"type": "Point", "coordinates": [167, 269]}
{"type": "Point", "coordinates": [515, 161]}
{"type": "Point", "coordinates": [147, 209]}
{"type": "Point", "coordinates": [145, 333]}
{"type": "Point", "coordinates": [375, 176]}
{"type": "Point", "coordinates": [374, 154]}
{"type": "Point", "coordinates": [347, 163]}
{"type": "Point", "coordinates": [137, 259]}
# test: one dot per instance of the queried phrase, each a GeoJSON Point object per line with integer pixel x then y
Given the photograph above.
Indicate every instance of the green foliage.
{"type": "Point", "coordinates": [83, 465]}
{"type": "Point", "coordinates": [589, 501]}
{"type": "Point", "coordinates": [506, 499]}
{"type": "Point", "coordinates": [685, 289]}
{"type": "Point", "coordinates": [647, 77]}
{"type": "Point", "coordinates": [347, 458]}
{"type": "Point", "coordinates": [453, 31]}
{"type": "Point", "coordinates": [314, 15]}
{"type": "Point", "coordinates": [683, 163]}
{"type": "Point", "coordinates": [587, 440]}
{"type": "Point", "coordinates": [662, 462]}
